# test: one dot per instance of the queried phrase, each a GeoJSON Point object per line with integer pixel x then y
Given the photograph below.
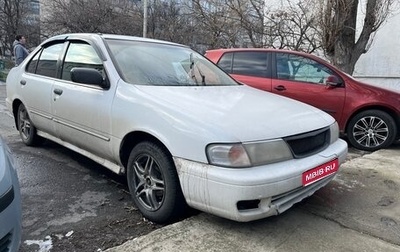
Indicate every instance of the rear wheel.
{"type": "Point", "coordinates": [25, 127]}
{"type": "Point", "coordinates": [153, 183]}
{"type": "Point", "coordinates": [371, 130]}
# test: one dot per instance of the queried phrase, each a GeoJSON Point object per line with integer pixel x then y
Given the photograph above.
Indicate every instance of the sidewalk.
{"type": "Point", "coordinates": [358, 211]}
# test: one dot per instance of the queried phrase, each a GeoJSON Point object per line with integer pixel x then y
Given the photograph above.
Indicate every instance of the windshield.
{"type": "Point", "coordinates": [147, 63]}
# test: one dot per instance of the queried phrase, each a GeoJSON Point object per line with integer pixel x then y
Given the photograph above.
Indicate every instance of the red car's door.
{"type": "Point", "coordinates": [304, 79]}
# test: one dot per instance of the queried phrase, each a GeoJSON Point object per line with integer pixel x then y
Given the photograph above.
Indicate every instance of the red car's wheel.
{"type": "Point", "coordinates": [371, 130]}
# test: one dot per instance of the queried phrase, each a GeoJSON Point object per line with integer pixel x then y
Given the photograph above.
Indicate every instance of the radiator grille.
{"type": "Point", "coordinates": [307, 144]}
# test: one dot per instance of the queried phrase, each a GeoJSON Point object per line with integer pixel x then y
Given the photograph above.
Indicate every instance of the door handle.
{"type": "Point", "coordinates": [280, 88]}
{"type": "Point", "coordinates": [57, 91]}
{"type": "Point", "coordinates": [22, 82]}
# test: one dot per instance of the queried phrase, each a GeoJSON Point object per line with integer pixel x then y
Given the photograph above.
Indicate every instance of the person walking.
{"type": "Point", "coordinates": [20, 52]}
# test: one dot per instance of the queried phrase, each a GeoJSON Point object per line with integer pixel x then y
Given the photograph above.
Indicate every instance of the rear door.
{"type": "Point", "coordinates": [36, 86]}
{"type": "Point", "coordinates": [303, 79]}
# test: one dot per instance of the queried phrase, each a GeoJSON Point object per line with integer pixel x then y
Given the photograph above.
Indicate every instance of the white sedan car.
{"type": "Point", "coordinates": [180, 129]}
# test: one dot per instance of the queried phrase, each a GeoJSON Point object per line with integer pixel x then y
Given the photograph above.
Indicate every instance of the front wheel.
{"type": "Point", "coordinates": [371, 130]}
{"type": "Point", "coordinates": [153, 183]}
{"type": "Point", "coordinates": [25, 127]}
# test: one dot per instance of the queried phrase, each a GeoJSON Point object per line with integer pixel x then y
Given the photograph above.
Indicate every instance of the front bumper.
{"type": "Point", "coordinates": [10, 203]}
{"type": "Point", "coordinates": [10, 219]}
{"type": "Point", "coordinates": [252, 193]}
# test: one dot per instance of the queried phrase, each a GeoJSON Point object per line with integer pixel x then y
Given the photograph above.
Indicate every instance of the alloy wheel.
{"type": "Point", "coordinates": [148, 182]}
{"type": "Point", "coordinates": [24, 124]}
{"type": "Point", "coordinates": [370, 131]}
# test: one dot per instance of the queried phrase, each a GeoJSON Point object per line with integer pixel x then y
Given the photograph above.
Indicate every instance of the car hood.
{"type": "Point", "coordinates": [241, 113]}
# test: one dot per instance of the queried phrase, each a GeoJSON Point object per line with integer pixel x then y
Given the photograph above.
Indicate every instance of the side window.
{"type": "Point", "coordinates": [299, 68]}
{"type": "Point", "coordinates": [31, 68]}
{"type": "Point", "coordinates": [226, 62]}
{"type": "Point", "coordinates": [250, 63]}
{"type": "Point", "coordinates": [47, 64]}
{"type": "Point", "coordinates": [80, 55]}
{"type": "Point", "coordinates": [282, 66]}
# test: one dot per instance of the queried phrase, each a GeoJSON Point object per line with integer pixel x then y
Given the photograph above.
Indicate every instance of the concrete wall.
{"type": "Point", "coordinates": [381, 64]}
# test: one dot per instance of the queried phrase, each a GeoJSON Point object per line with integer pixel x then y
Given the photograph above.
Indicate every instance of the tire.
{"type": "Point", "coordinates": [26, 129]}
{"type": "Point", "coordinates": [371, 130]}
{"type": "Point", "coordinates": [154, 184]}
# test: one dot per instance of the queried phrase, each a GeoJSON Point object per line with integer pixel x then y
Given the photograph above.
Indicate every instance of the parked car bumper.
{"type": "Point", "coordinates": [253, 193]}
{"type": "Point", "coordinates": [10, 204]}
{"type": "Point", "coordinates": [10, 230]}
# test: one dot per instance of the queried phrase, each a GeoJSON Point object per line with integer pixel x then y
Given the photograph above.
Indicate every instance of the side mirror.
{"type": "Point", "coordinates": [88, 76]}
{"type": "Point", "coordinates": [333, 81]}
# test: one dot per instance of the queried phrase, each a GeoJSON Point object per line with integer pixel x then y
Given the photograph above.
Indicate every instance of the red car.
{"type": "Point", "coordinates": [368, 115]}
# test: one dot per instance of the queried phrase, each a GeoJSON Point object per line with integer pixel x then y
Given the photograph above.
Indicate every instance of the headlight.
{"type": "Point", "coordinates": [334, 132]}
{"type": "Point", "coordinates": [248, 154]}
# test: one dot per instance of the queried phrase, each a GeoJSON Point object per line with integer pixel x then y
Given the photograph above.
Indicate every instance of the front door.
{"type": "Point", "coordinates": [303, 79]}
{"type": "Point", "coordinates": [82, 111]}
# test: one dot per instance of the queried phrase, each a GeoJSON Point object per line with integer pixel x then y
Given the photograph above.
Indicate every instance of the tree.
{"type": "Point", "coordinates": [255, 23]}
{"type": "Point", "coordinates": [303, 25]}
{"type": "Point", "coordinates": [214, 24]}
{"type": "Point", "coordinates": [329, 26]}
{"type": "Point", "coordinates": [12, 15]}
{"type": "Point", "coordinates": [339, 28]}
{"type": "Point", "coordinates": [168, 20]}
{"type": "Point", "coordinates": [250, 19]}
{"type": "Point", "coordinates": [92, 16]}
{"type": "Point", "coordinates": [293, 27]}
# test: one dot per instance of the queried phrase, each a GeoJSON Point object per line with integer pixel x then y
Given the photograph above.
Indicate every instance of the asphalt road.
{"type": "Point", "coordinates": [73, 204]}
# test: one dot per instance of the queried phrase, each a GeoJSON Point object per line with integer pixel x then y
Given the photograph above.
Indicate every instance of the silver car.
{"type": "Point", "coordinates": [10, 202]}
{"type": "Point", "coordinates": [180, 129]}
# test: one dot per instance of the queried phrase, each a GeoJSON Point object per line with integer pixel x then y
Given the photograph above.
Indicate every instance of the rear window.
{"type": "Point", "coordinates": [245, 63]}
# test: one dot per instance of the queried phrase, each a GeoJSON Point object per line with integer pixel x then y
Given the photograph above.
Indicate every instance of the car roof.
{"type": "Point", "coordinates": [221, 51]}
{"type": "Point", "coordinates": [224, 50]}
{"type": "Point", "coordinates": [91, 36]}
